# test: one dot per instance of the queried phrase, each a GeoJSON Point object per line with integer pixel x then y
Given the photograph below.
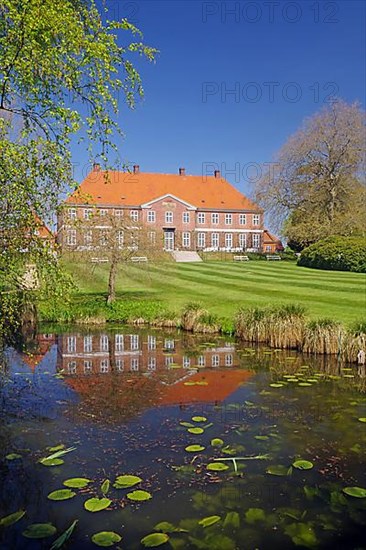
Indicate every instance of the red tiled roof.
{"type": "Point", "coordinates": [269, 238]}
{"type": "Point", "coordinates": [130, 189]}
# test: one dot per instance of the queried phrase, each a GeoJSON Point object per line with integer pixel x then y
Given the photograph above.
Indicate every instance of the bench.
{"type": "Point", "coordinates": [240, 259]}
{"type": "Point", "coordinates": [139, 259]}
{"type": "Point", "coordinates": [273, 257]}
{"type": "Point", "coordinates": [99, 260]}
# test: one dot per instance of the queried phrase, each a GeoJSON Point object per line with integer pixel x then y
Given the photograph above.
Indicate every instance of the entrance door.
{"type": "Point", "coordinates": [169, 239]}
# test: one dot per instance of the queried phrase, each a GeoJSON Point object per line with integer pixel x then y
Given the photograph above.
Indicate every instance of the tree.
{"type": "Point", "coordinates": [61, 70]}
{"type": "Point", "coordinates": [315, 187]}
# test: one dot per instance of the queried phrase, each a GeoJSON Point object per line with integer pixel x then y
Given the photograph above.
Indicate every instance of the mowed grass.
{"type": "Point", "coordinates": [223, 287]}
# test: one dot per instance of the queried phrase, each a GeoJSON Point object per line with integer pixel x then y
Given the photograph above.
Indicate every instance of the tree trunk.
{"type": "Point", "coordinates": [112, 282]}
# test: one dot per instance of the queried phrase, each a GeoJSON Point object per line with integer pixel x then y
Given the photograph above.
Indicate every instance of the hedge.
{"type": "Point", "coordinates": [336, 253]}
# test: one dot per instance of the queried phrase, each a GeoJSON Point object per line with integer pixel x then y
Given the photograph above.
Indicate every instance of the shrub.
{"type": "Point", "coordinates": [336, 253]}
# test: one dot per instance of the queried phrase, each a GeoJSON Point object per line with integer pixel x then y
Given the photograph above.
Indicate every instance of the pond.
{"type": "Point", "coordinates": [230, 447]}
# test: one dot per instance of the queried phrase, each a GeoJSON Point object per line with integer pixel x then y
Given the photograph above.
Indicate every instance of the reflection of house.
{"type": "Point", "coordinates": [271, 243]}
{"type": "Point", "coordinates": [42, 346]}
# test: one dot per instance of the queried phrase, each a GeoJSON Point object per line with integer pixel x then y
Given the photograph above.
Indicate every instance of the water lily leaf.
{"type": "Point", "coordinates": [217, 466]}
{"type": "Point", "coordinates": [61, 494]}
{"type": "Point", "coordinates": [105, 486]}
{"type": "Point", "coordinates": [76, 482]}
{"type": "Point", "coordinates": [139, 495]}
{"type": "Point", "coordinates": [303, 464]}
{"type": "Point", "coordinates": [106, 538]}
{"type": "Point", "coordinates": [187, 424]}
{"type": "Point", "coordinates": [199, 418]}
{"type": "Point", "coordinates": [39, 530]}
{"type": "Point", "coordinates": [124, 482]}
{"type": "Point", "coordinates": [154, 539]}
{"type": "Point", "coordinates": [13, 456]}
{"type": "Point", "coordinates": [60, 541]}
{"type": "Point", "coordinates": [311, 492]}
{"type": "Point", "coordinates": [51, 461]}
{"type": "Point", "coordinates": [357, 492]}
{"type": "Point", "coordinates": [363, 419]}
{"type": "Point", "coordinates": [254, 514]}
{"type": "Point", "coordinates": [56, 448]}
{"type": "Point", "coordinates": [11, 518]}
{"type": "Point", "coordinates": [302, 534]}
{"type": "Point", "coordinates": [276, 385]}
{"type": "Point", "coordinates": [277, 470]}
{"type": "Point", "coordinates": [97, 504]}
{"type": "Point", "coordinates": [261, 437]}
{"type": "Point", "coordinates": [194, 448]}
{"type": "Point", "coordinates": [58, 454]}
{"type": "Point", "coordinates": [209, 520]}
{"type": "Point", "coordinates": [201, 383]}
{"type": "Point", "coordinates": [217, 442]}
{"type": "Point", "coordinates": [166, 527]}
{"type": "Point", "coordinates": [292, 379]}
{"type": "Point", "coordinates": [304, 384]}
{"type": "Point", "coordinates": [232, 520]}
{"type": "Point", "coordinates": [195, 430]}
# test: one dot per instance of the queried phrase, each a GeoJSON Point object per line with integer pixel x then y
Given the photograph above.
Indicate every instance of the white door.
{"type": "Point", "coordinates": [169, 240]}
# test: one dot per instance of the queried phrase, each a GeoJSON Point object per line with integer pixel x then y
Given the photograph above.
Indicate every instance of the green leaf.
{"type": "Point", "coordinates": [302, 534]}
{"type": "Point", "coordinates": [165, 527]}
{"type": "Point", "coordinates": [217, 442]}
{"type": "Point", "coordinates": [77, 482]}
{"type": "Point", "coordinates": [56, 448]}
{"type": "Point", "coordinates": [276, 385]}
{"type": "Point", "coordinates": [261, 437]}
{"type": "Point", "coordinates": [106, 538]}
{"type": "Point", "coordinates": [277, 470]}
{"type": "Point", "coordinates": [60, 541]}
{"type": "Point", "coordinates": [199, 418]}
{"type": "Point", "coordinates": [303, 464]}
{"type": "Point", "coordinates": [97, 504]}
{"type": "Point", "coordinates": [61, 494]}
{"type": "Point", "coordinates": [194, 448]}
{"type": "Point", "coordinates": [357, 492]}
{"type": "Point", "coordinates": [11, 518]}
{"type": "Point", "coordinates": [124, 482]}
{"type": "Point", "coordinates": [217, 466]}
{"type": "Point", "coordinates": [51, 461]}
{"type": "Point", "coordinates": [13, 456]}
{"type": "Point", "coordinates": [154, 539]}
{"type": "Point", "coordinates": [187, 424]}
{"type": "Point", "coordinates": [39, 531]}
{"type": "Point", "coordinates": [57, 454]}
{"type": "Point", "coordinates": [105, 486]}
{"type": "Point", "coordinates": [362, 419]}
{"type": "Point", "coordinates": [195, 430]}
{"type": "Point", "coordinates": [254, 514]}
{"type": "Point", "coordinates": [304, 384]}
{"type": "Point", "coordinates": [139, 495]}
{"type": "Point", "coordinates": [209, 520]}
{"type": "Point", "coordinates": [232, 520]}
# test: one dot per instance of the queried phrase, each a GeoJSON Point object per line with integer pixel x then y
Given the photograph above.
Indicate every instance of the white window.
{"type": "Point", "coordinates": [152, 237]}
{"type": "Point", "coordinates": [228, 219]}
{"type": "Point", "coordinates": [169, 344]}
{"type": "Point", "coordinates": [215, 240]}
{"type": "Point", "coordinates": [169, 361]}
{"type": "Point", "coordinates": [151, 363]}
{"type": "Point", "coordinates": [103, 238]}
{"type": "Point", "coordinates": [256, 219]}
{"type": "Point", "coordinates": [87, 213]}
{"type": "Point", "coordinates": [72, 213]}
{"type": "Point", "coordinates": [88, 237]}
{"type": "Point", "coordinates": [201, 361]}
{"type": "Point", "coordinates": [134, 342]}
{"type": "Point", "coordinates": [151, 216]}
{"type": "Point", "coordinates": [268, 248]}
{"type": "Point", "coordinates": [71, 344]}
{"type": "Point", "coordinates": [120, 365]}
{"type": "Point", "coordinates": [185, 217]}
{"type": "Point", "coordinates": [118, 213]}
{"type": "Point", "coordinates": [134, 365]}
{"type": "Point", "coordinates": [168, 217]}
{"type": "Point", "coordinates": [103, 212]}
{"type": "Point", "coordinates": [104, 344]}
{"type": "Point", "coordinates": [186, 362]}
{"type": "Point", "coordinates": [151, 343]}
{"type": "Point", "coordinates": [71, 237]}
{"type": "Point", "coordinates": [256, 240]}
{"type": "Point", "coordinates": [228, 240]}
{"type": "Point", "coordinates": [88, 344]}
{"type": "Point", "coordinates": [242, 219]}
{"type": "Point", "coordinates": [201, 217]}
{"type": "Point", "coordinates": [186, 239]}
{"type": "Point", "coordinates": [119, 342]}
{"type": "Point", "coordinates": [120, 237]}
{"type": "Point", "coordinates": [88, 367]}
{"type": "Point", "coordinates": [228, 359]}
{"type": "Point", "coordinates": [242, 240]}
{"type": "Point", "coordinates": [71, 367]}
{"type": "Point", "coordinates": [201, 240]}
{"type": "Point", "coordinates": [104, 366]}
{"type": "Point", "coordinates": [215, 360]}
{"type": "Point", "coordinates": [215, 219]}
{"type": "Point", "coordinates": [134, 215]}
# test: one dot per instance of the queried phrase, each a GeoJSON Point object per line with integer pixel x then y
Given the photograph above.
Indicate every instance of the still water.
{"type": "Point", "coordinates": [174, 410]}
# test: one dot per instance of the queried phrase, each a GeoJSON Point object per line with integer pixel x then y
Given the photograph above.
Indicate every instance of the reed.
{"type": "Point", "coordinates": [251, 324]}
{"type": "Point", "coordinates": [324, 336]}
{"type": "Point", "coordinates": [355, 341]}
{"type": "Point", "coordinates": [195, 318]}
{"type": "Point", "coordinates": [286, 326]}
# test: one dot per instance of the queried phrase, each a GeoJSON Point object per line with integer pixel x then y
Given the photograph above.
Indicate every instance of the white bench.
{"type": "Point", "coordinates": [273, 257]}
{"type": "Point", "coordinates": [99, 260]}
{"type": "Point", "coordinates": [240, 258]}
{"type": "Point", "coordinates": [139, 259]}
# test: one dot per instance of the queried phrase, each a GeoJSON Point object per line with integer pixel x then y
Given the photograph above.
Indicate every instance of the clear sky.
{"type": "Point", "coordinates": [234, 80]}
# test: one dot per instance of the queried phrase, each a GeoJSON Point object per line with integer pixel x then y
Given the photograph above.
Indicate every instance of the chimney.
{"type": "Point", "coordinates": [217, 174]}
{"type": "Point", "coordinates": [182, 171]}
{"type": "Point", "coordinates": [136, 169]}
{"type": "Point", "coordinates": [96, 167]}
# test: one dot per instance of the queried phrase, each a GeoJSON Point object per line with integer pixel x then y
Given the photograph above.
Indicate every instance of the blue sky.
{"type": "Point", "coordinates": [281, 61]}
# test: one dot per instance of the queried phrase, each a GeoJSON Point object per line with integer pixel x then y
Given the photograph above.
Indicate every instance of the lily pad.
{"type": "Point", "coordinates": [277, 470]}
{"type": "Point", "coordinates": [76, 482]}
{"type": "Point", "coordinates": [357, 492]}
{"type": "Point", "coordinates": [106, 538]}
{"type": "Point", "coordinates": [261, 437]}
{"type": "Point", "coordinates": [217, 466]}
{"type": "Point", "coordinates": [303, 464]}
{"type": "Point", "coordinates": [139, 495]}
{"type": "Point", "coordinates": [209, 520]}
{"type": "Point", "coordinates": [105, 486]}
{"type": "Point", "coordinates": [254, 514]}
{"type": "Point", "coordinates": [39, 530]}
{"type": "Point", "coordinates": [11, 518]}
{"type": "Point", "coordinates": [13, 456]}
{"type": "Point", "coordinates": [187, 424]}
{"type": "Point", "coordinates": [56, 448]}
{"type": "Point", "coordinates": [217, 442]}
{"type": "Point", "coordinates": [61, 494]}
{"type": "Point", "coordinates": [305, 384]}
{"type": "Point", "coordinates": [154, 539]}
{"type": "Point", "coordinates": [276, 385]}
{"type": "Point", "coordinates": [362, 419]}
{"type": "Point", "coordinates": [302, 534]}
{"type": "Point", "coordinates": [51, 462]}
{"type": "Point", "coordinates": [96, 504]}
{"type": "Point", "coordinates": [199, 418]}
{"type": "Point", "coordinates": [195, 430]}
{"type": "Point", "coordinates": [232, 520]}
{"type": "Point", "coordinates": [194, 448]}
{"type": "Point", "coordinates": [124, 482]}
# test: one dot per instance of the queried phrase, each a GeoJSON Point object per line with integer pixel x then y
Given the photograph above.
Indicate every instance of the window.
{"type": "Point", "coordinates": [72, 213]}
{"type": "Point", "coordinates": [71, 367]}
{"type": "Point", "coordinates": [88, 344]}
{"type": "Point", "coordinates": [185, 217]}
{"type": "Point", "coordinates": [152, 237]}
{"type": "Point", "coordinates": [215, 219]}
{"type": "Point", "coordinates": [201, 240]}
{"type": "Point", "coordinates": [87, 213]}
{"type": "Point", "coordinates": [104, 366]}
{"type": "Point", "coordinates": [134, 342]}
{"type": "Point", "coordinates": [120, 365]}
{"type": "Point", "coordinates": [151, 217]}
{"type": "Point", "coordinates": [215, 360]}
{"type": "Point", "coordinates": [186, 362]}
{"type": "Point", "coordinates": [118, 213]}
{"type": "Point", "coordinates": [134, 215]}
{"type": "Point", "coordinates": [268, 248]}
{"type": "Point", "coordinates": [228, 240]}
{"type": "Point", "coordinates": [228, 360]}
{"type": "Point", "coordinates": [104, 345]}
{"type": "Point", "coordinates": [151, 363]}
{"type": "Point", "coordinates": [186, 239]}
{"type": "Point", "coordinates": [201, 361]}
{"type": "Point", "coordinates": [215, 240]}
{"type": "Point", "coordinates": [103, 238]}
{"type": "Point", "coordinates": [168, 217]}
{"type": "Point", "coordinates": [71, 344]}
{"type": "Point", "coordinates": [256, 219]}
{"type": "Point", "coordinates": [242, 219]}
{"type": "Point", "coordinates": [256, 240]}
{"type": "Point", "coordinates": [169, 344]}
{"type": "Point", "coordinates": [169, 361]}
{"type": "Point", "coordinates": [134, 365]}
{"type": "Point", "coordinates": [88, 237]}
{"type": "Point", "coordinates": [242, 240]}
{"type": "Point", "coordinates": [120, 238]}
{"type": "Point", "coordinates": [119, 342]}
{"type": "Point", "coordinates": [88, 367]}
{"type": "Point", "coordinates": [201, 217]}
{"type": "Point", "coordinates": [71, 237]}
{"type": "Point", "coordinates": [151, 343]}
{"type": "Point", "coordinates": [103, 212]}
{"type": "Point", "coordinates": [228, 219]}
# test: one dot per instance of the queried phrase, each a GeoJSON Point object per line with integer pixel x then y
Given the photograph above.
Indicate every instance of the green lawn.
{"type": "Point", "coordinates": [223, 286]}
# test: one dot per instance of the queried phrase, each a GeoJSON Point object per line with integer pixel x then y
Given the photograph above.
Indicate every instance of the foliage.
{"type": "Point", "coordinates": [336, 253]}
